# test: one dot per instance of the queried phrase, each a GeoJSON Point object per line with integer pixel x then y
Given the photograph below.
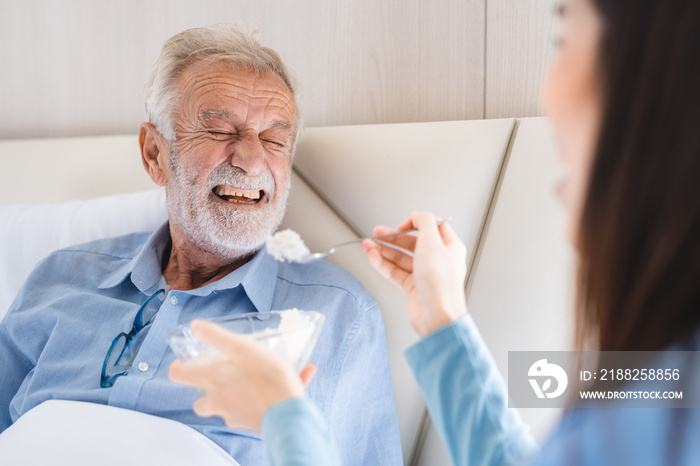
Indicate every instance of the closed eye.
{"type": "Point", "coordinates": [221, 133]}
{"type": "Point", "coordinates": [276, 143]}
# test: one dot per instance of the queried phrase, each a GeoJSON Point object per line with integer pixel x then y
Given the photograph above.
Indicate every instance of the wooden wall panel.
{"type": "Point", "coordinates": [77, 67]}
{"type": "Point", "coordinates": [519, 50]}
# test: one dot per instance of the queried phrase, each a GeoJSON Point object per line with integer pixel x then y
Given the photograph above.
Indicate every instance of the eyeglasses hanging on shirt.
{"type": "Point", "coordinates": [125, 346]}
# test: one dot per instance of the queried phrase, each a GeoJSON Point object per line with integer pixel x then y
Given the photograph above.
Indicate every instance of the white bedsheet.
{"type": "Point", "coordinates": [75, 433]}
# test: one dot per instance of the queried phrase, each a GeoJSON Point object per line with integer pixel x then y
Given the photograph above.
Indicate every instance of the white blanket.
{"type": "Point", "coordinates": [58, 433]}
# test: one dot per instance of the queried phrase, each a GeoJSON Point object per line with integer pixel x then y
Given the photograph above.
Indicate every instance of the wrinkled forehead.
{"type": "Point", "coordinates": [221, 89]}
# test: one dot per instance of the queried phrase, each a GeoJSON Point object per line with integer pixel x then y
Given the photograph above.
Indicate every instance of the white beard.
{"type": "Point", "coordinates": [220, 229]}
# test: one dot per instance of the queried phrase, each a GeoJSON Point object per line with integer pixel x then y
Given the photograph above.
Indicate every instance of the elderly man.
{"type": "Point", "coordinates": [90, 322]}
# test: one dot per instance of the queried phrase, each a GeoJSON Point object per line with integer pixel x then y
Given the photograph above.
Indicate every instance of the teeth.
{"type": "Point", "coordinates": [220, 191]}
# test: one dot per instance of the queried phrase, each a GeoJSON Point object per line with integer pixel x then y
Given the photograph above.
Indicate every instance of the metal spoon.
{"type": "Point", "coordinates": [322, 255]}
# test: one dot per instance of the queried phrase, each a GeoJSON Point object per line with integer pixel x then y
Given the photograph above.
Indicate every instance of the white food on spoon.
{"type": "Point", "coordinates": [287, 245]}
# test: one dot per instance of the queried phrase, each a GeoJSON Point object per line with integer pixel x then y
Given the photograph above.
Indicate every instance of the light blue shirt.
{"type": "Point", "coordinates": [55, 336]}
{"type": "Point", "coordinates": [467, 401]}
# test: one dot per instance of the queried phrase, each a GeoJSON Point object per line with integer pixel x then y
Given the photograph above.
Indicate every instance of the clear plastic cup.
{"type": "Point", "coordinates": [291, 334]}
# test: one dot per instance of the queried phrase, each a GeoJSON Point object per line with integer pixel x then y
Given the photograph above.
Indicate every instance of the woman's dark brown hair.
{"type": "Point", "coordinates": [639, 235]}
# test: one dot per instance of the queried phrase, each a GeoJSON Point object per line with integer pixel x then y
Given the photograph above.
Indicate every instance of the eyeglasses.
{"type": "Point", "coordinates": [121, 343]}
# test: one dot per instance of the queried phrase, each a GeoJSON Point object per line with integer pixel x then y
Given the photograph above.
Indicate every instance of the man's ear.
{"type": "Point", "coordinates": [154, 153]}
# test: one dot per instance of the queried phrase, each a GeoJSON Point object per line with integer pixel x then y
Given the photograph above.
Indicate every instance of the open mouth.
{"type": "Point", "coordinates": [239, 196]}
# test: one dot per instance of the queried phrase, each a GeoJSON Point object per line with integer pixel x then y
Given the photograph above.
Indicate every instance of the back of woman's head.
{"type": "Point", "coordinates": [639, 237]}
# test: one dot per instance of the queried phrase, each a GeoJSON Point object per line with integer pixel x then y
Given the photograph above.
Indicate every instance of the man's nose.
{"type": "Point", "coordinates": [249, 155]}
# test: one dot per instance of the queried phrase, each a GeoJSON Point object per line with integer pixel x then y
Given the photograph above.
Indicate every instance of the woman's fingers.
{"type": "Point", "coordinates": [406, 241]}
{"type": "Point", "coordinates": [450, 237]}
{"type": "Point", "coordinates": [382, 230]}
{"type": "Point", "coordinates": [406, 224]}
{"type": "Point", "coordinates": [202, 407]}
{"type": "Point", "coordinates": [226, 348]}
{"type": "Point", "coordinates": [178, 373]}
{"type": "Point", "coordinates": [307, 374]}
{"type": "Point", "coordinates": [208, 405]}
{"type": "Point", "coordinates": [394, 256]}
{"type": "Point", "coordinates": [218, 337]}
{"type": "Point", "coordinates": [434, 235]}
{"type": "Point", "coordinates": [398, 258]}
{"type": "Point", "coordinates": [386, 268]}
{"type": "Point", "coordinates": [192, 375]}
{"type": "Point", "coordinates": [426, 224]}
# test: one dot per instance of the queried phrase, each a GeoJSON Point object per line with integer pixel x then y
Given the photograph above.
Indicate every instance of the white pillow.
{"type": "Point", "coordinates": [75, 433]}
{"type": "Point", "coordinates": [29, 232]}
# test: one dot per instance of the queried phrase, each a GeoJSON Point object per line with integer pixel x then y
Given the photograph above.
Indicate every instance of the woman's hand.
{"type": "Point", "coordinates": [433, 279]}
{"type": "Point", "coordinates": [242, 384]}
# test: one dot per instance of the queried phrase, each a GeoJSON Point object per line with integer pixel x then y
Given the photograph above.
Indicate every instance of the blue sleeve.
{"type": "Point", "coordinates": [606, 435]}
{"type": "Point", "coordinates": [15, 364]}
{"type": "Point", "coordinates": [363, 414]}
{"type": "Point", "coordinates": [467, 398]}
{"type": "Point", "coordinates": [294, 434]}
{"type": "Point", "coordinates": [14, 367]}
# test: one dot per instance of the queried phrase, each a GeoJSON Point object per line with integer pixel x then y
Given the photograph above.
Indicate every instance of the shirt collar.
{"type": "Point", "coordinates": [144, 268]}
{"type": "Point", "coordinates": [258, 276]}
{"type": "Point", "coordinates": [260, 280]}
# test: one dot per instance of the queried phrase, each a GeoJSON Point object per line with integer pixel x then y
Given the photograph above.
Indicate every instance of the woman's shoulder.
{"type": "Point", "coordinates": [613, 436]}
{"type": "Point", "coordinates": [613, 433]}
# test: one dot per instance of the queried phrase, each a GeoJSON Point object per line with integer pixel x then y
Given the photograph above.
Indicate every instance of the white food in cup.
{"type": "Point", "coordinates": [288, 340]}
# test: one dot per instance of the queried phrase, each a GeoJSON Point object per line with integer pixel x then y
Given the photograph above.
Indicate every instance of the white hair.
{"type": "Point", "coordinates": [219, 43]}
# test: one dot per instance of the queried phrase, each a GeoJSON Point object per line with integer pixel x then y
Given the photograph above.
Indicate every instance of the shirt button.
{"type": "Point", "coordinates": [173, 300]}
{"type": "Point", "coordinates": [143, 367]}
